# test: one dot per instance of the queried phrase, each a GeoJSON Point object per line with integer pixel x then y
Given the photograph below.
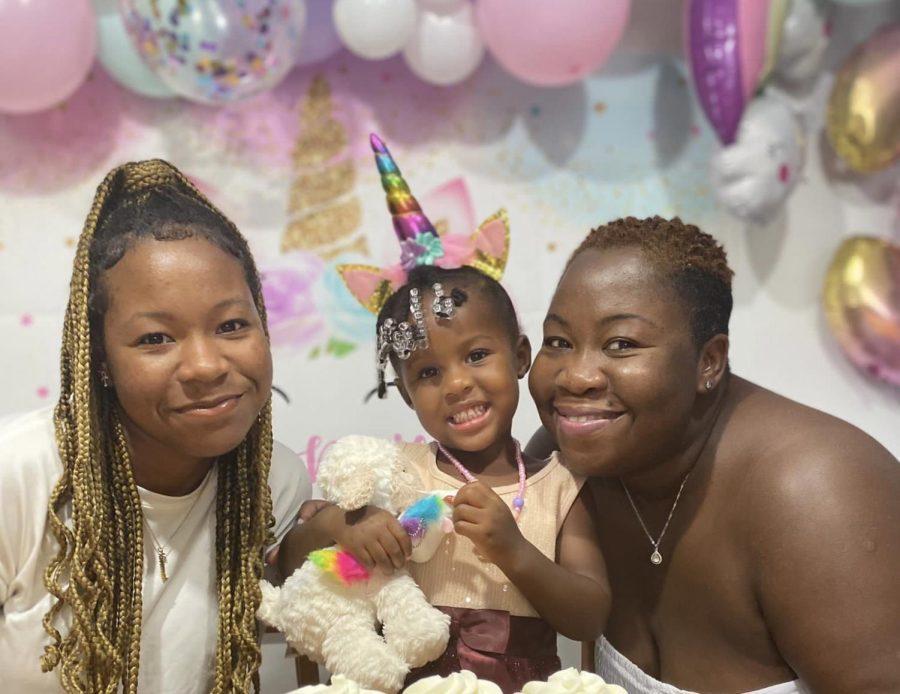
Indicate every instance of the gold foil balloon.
{"type": "Point", "coordinates": [862, 304]}
{"type": "Point", "coordinates": [864, 109]}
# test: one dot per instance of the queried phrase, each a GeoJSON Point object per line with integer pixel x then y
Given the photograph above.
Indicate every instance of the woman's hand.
{"type": "Point", "coordinates": [483, 517]}
{"type": "Point", "coordinates": [374, 537]}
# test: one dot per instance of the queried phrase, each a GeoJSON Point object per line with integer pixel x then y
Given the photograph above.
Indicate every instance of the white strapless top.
{"type": "Point", "coordinates": [615, 668]}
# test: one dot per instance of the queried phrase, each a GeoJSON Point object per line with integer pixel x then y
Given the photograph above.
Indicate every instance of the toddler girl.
{"type": "Point", "coordinates": [523, 562]}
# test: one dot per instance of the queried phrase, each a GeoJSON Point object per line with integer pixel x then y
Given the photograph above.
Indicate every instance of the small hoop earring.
{"type": "Point", "coordinates": [709, 384]}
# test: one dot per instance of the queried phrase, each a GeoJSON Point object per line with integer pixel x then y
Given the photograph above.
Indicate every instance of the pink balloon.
{"type": "Point", "coordinates": [551, 42]}
{"type": "Point", "coordinates": [47, 48]}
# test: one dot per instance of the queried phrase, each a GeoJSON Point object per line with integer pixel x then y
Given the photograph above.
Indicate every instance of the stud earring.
{"type": "Point", "coordinates": [709, 384]}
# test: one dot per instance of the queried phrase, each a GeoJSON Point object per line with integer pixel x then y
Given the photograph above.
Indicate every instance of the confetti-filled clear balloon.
{"type": "Point", "coordinates": [118, 56]}
{"type": "Point", "coordinates": [862, 305]}
{"type": "Point", "coordinates": [217, 51]}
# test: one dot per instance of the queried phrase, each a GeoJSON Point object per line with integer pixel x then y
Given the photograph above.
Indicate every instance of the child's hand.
{"type": "Point", "coordinates": [483, 517]}
{"type": "Point", "coordinates": [375, 538]}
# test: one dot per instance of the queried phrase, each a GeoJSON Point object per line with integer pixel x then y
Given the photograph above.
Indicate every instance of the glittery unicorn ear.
{"type": "Point", "coordinates": [491, 240]}
{"type": "Point", "coordinates": [371, 285]}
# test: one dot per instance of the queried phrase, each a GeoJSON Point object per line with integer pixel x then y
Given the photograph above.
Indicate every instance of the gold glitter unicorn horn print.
{"type": "Point", "coordinates": [324, 217]}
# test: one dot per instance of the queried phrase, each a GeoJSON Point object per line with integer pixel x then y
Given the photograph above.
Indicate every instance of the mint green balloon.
{"type": "Point", "coordinates": [123, 62]}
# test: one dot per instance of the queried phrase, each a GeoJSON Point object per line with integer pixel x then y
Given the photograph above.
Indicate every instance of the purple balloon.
{"type": "Point", "coordinates": [320, 39]}
{"type": "Point", "coordinates": [715, 61]}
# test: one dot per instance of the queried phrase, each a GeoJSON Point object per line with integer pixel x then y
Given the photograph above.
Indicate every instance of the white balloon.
{"type": "Point", "coordinates": [753, 177]}
{"type": "Point", "coordinates": [803, 43]}
{"type": "Point", "coordinates": [445, 49]}
{"type": "Point", "coordinates": [375, 29]}
{"type": "Point", "coordinates": [442, 6]}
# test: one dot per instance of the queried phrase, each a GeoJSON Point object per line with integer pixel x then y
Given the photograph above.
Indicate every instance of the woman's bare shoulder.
{"type": "Point", "coordinates": [815, 499]}
{"type": "Point", "coordinates": [775, 431]}
{"type": "Point", "coordinates": [793, 459]}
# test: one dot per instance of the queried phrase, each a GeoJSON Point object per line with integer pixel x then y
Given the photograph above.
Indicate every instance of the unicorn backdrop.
{"type": "Point", "coordinates": [293, 169]}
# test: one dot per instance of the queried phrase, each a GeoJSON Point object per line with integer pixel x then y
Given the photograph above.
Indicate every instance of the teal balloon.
{"type": "Point", "coordinates": [122, 61]}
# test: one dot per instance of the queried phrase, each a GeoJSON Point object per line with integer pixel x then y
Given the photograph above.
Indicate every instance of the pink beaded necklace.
{"type": "Point", "coordinates": [519, 501]}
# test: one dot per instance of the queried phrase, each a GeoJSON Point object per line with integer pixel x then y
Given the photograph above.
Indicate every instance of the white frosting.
{"type": "Point", "coordinates": [572, 681]}
{"type": "Point", "coordinates": [464, 682]}
{"type": "Point", "coordinates": [569, 681]}
{"type": "Point", "coordinates": [339, 685]}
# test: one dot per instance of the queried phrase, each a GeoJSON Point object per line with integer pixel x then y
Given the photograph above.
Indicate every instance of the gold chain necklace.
{"type": "Point", "coordinates": [162, 553]}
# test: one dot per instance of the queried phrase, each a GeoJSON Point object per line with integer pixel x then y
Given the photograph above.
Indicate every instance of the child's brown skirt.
{"type": "Point", "coordinates": [506, 650]}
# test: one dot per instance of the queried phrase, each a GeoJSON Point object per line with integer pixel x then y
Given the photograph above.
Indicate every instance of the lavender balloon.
{"type": "Point", "coordinates": [320, 39]}
{"type": "Point", "coordinates": [715, 64]}
{"type": "Point", "coordinates": [731, 47]}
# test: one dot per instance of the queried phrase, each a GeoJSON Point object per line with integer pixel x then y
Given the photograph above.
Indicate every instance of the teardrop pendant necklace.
{"type": "Point", "coordinates": [519, 501]}
{"type": "Point", "coordinates": [656, 558]}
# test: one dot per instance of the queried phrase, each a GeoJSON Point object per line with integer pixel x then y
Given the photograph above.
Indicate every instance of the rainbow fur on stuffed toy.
{"type": "Point", "coordinates": [330, 608]}
{"type": "Point", "coordinates": [426, 522]}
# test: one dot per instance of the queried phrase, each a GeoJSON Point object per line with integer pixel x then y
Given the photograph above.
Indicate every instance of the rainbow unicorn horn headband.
{"type": "Point", "coordinates": [486, 249]}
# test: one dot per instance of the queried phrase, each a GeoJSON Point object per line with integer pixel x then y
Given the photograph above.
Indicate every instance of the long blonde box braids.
{"type": "Point", "coordinates": [97, 573]}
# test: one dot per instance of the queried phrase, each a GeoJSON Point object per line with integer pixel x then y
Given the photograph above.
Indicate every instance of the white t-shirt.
{"type": "Point", "coordinates": [178, 633]}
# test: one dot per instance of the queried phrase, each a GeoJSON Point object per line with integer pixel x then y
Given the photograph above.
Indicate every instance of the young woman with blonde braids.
{"type": "Point", "coordinates": [134, 517]}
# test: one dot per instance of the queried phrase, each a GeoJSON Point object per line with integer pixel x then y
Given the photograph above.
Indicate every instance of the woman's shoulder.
{"type": "Point", "coordinates": [29, 469]}
{"type": "Point", "coordinates": [290, 485]}
{"type": "Point", "coordinates": [25, 424]}
{"type": "Point", "coordinates": [769, 427]}
{"type": "Point", "coordinates": [287, 467]}
{"type": "Point", "coordinates": [28, 440]}
{"type": "Point", "coordinates": [789, 458]}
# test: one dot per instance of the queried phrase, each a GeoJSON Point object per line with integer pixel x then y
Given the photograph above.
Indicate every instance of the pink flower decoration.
{"type": "Point", "coordinates": [294, 320]}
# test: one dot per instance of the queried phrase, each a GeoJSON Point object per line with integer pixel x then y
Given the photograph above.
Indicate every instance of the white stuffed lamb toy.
{"type": "Point", "coordinates": [329, 609]}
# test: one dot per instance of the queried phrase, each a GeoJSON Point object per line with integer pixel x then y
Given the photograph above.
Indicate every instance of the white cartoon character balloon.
{"type": "Point", "coordinates": [754, 176]}
{"type": "Point", "coordinates": [804, 38]}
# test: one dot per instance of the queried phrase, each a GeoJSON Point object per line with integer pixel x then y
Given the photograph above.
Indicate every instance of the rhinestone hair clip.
{"type": "Point", "coordinates": [405, 337]}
